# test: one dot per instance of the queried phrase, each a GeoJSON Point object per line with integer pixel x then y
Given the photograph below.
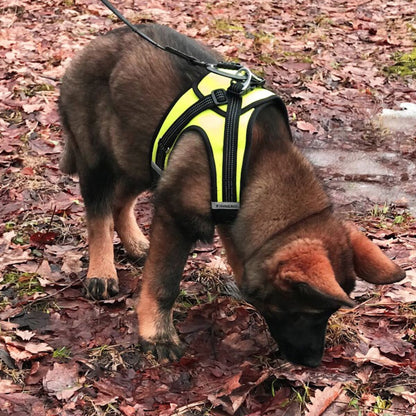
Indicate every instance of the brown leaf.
{"type": "Point", "coordinates": [21, 404]}
{"type": "Point", "coordinates": [7, 386]}
{"type": "Point", "coordinates": [306, 126]}
{"type": "Point", "coordinates": [62, 381]}
{"type": "Point", "coordinates": [25, 335]}
{"type": "Point", "coordinates": [19, 354]}
{"type": "Point", "coordinates": [36, 348]}
{"type": "Point", "coordinates": [373, 355]}
{"type": "Point", "coordinates": [322, 400]}
{"type": "Point", "coordinates": [72, 262]}
{"type": "Point", "coordinates": [41, 238]}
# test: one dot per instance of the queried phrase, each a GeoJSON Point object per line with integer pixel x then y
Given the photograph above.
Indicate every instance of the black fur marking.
{"type": "Point", "coordinates": [100, 288]}
{"type": "Point", "coordinates": [163, 351]}
{"type": "Point", "coordinates": [97, 188]}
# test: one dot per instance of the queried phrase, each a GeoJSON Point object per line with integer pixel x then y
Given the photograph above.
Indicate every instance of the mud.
{"type": "Point", "coordinates": [361, 179]}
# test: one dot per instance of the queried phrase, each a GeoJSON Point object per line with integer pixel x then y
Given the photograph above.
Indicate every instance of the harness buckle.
{"type": "Point", "coordinates": [219, 97]}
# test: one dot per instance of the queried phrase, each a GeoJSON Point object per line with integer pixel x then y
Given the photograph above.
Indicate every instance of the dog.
{"type": "Point", "coordinates": [292, 257]}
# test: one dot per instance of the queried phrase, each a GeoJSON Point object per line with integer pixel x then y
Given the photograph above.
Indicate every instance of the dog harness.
{"type": "Point", "coordinates": [223, 115]}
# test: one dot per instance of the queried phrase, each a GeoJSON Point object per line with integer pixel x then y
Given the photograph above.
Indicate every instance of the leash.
{"type": "Point", "coordinates": [241, 82]}
{"type": "Point", "coordinates": [243, 79]}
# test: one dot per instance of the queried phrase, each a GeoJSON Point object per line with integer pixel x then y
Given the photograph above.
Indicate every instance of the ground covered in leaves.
{"type": "Point", "coordinates": [336, 64]}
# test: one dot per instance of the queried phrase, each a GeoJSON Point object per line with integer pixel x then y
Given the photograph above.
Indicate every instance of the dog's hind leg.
{"type": "Point", "coordinates": [134, 242]}
{"type": "Point", "coordinates": [97, 188]}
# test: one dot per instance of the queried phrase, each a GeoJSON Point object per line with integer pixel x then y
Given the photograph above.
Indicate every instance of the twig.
{"type": "Point", "coordinates": [183, 409]}
{"type": "Point", "coordinates": [54, 294]}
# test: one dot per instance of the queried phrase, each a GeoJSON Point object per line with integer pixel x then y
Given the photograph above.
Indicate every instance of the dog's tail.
{"type": "Point", "coordinates": [67, 164]}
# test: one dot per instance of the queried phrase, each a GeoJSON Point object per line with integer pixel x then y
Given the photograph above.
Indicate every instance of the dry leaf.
{"type": "Point", "coordinates": [7, 386]}
{"type": "Point", "coordinates": [72, 262]}
{"type": "Point", "coordinates": [373, 355]}
{"type": "Point", "coordinates": [24, 335]}
{"type": "Point", "coordinates": [306, 126]}
{"type": "Point", "coordinates": [36, 348]}
{"type": "Point", "coordinates": [322, 400]}
{"type": "Point", "coordinates": [62, 381]}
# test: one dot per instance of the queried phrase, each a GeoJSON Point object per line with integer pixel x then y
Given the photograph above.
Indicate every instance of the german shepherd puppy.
{"type": "Point", "coordinates": [292, 258]}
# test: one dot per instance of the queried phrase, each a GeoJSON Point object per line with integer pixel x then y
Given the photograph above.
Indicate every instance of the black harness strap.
{"type": "Point", "coordinates": [216, 98]}
{"type": "Point", "coordinates": [230, 147]}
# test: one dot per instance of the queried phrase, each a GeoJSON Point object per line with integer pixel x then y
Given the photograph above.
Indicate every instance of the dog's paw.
{"type": "Point", "coordinates": [137, 260]}
{"type": "Point", "coordinates": [101, 288]}
{"type": "Point", "coordinates": [137, 250]}
{"type": "Point", "coordinates": [163, 351]}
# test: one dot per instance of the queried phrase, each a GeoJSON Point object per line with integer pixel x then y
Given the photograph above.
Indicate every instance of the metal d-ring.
{"type": "Point", "coordinates": [243, 74]}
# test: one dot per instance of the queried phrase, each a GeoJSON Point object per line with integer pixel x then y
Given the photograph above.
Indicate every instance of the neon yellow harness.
{"type": "Point", "coordinates": [224, 120]}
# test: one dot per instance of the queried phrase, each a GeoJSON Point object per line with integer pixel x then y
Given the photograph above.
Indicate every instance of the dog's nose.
{"type": "Point", "coordinates": [311, 362]}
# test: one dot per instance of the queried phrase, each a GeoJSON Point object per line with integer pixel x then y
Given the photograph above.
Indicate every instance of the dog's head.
{"type": "Point", "coordinates": [304, 282]}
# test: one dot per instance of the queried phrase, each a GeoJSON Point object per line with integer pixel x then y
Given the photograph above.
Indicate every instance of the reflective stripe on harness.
{"type": "Point", "coordinates": [223, 118]}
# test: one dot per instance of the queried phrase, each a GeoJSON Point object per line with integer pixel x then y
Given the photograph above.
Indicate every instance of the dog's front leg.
{"type": "Point", "coordinates": [169, 248]}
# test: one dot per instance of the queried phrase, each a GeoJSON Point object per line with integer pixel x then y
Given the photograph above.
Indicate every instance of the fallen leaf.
{"type": "Point", "coordinates": [72, 262]}
{"type": "Point", "coordinates": [28, 171]}
{"type": "Point", "coordinates": [322, 400]}
{"type": "Point", "coordinates": [42, 238]}
{"type": "Point", "coordinates": [19, 354]}
{"type": "Point", "coordinates": [306, 126]}
{"type": "Point", "coordinates": [24, 335]}
{"type": "Point", "coordinates": [30, 108]}
{"type": "Point", "coordinates": [36, 348]}
{"type": "Point", "coordinates": [18, 255]}
{"type": "Point", "coordinates": [373, 355]}
{"type": "Point", "coordinates": [62, 381]}
{"type": "Point", "coordinates": [7, 386]}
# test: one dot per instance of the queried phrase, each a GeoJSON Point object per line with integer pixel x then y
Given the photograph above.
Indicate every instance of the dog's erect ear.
{"type": "Point", "coordinates": [305, 262]}
{"type": "Point", "coordinates": [370, 263]}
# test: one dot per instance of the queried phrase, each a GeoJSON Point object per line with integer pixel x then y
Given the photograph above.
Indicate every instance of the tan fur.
{"type": "Point", "coordinates": [369, 261]}
{"type": "Point", "coordinates": [125, 223]}
{"type": "Point", "coordinates": [306, 261]}
{"type": "Point", "coordinates": [233, 257]}
{"type": "Point", "coordinates": [265, 210]}
{"type": "Point", "coordinates": [113, 97]}
{"type": "Point", "coordinates": [100, 245]}
{"type": "Point", "coordinates": [147, 313]}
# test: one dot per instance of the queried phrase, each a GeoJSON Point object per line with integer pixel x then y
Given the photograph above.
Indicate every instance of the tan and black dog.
{"type": "Point", "coordinates": [292, 258]}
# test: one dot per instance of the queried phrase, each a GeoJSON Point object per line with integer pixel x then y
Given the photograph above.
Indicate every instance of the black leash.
{"type": "Point", "coordinates": [242, 76]}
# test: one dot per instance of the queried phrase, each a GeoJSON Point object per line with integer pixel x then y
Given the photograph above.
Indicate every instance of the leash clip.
{"type": "Point", "coordinates": [242, 78]}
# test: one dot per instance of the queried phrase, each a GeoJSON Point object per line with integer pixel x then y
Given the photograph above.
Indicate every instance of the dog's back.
{"type": "Point", "coordinates": [110, 86]}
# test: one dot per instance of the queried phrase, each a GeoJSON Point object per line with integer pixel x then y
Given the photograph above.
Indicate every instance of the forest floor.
{"type": "Point", "coordinates": [336, 65]}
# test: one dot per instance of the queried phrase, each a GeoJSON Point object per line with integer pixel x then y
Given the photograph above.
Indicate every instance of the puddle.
{"type": "Point", "coordinates": [363, 179]}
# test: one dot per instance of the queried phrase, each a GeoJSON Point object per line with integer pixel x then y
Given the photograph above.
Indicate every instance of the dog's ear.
{"type": "Point", "coordinates": [370, 263]}
{"type": "Point", "coordinates": [304, 263]}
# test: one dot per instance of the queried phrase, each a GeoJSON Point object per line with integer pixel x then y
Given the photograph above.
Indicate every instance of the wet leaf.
{"type": "Point", "coordinates": [42, 238]}
{"type": "Point", "coordinates": [322, 400]}
{"type": "Point", "coordinates": [62, 381]}
{"type": "Point", "coordinates": [373, 355]}
{"type": "Point", "coordinates": [326, 61]}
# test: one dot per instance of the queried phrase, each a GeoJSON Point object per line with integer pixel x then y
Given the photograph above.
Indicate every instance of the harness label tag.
{"type": "Point", "coordinates": [225, 205]}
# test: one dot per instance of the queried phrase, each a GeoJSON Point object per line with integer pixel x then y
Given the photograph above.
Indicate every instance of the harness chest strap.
{"type": "Point", "coordinates": [224, 121]}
